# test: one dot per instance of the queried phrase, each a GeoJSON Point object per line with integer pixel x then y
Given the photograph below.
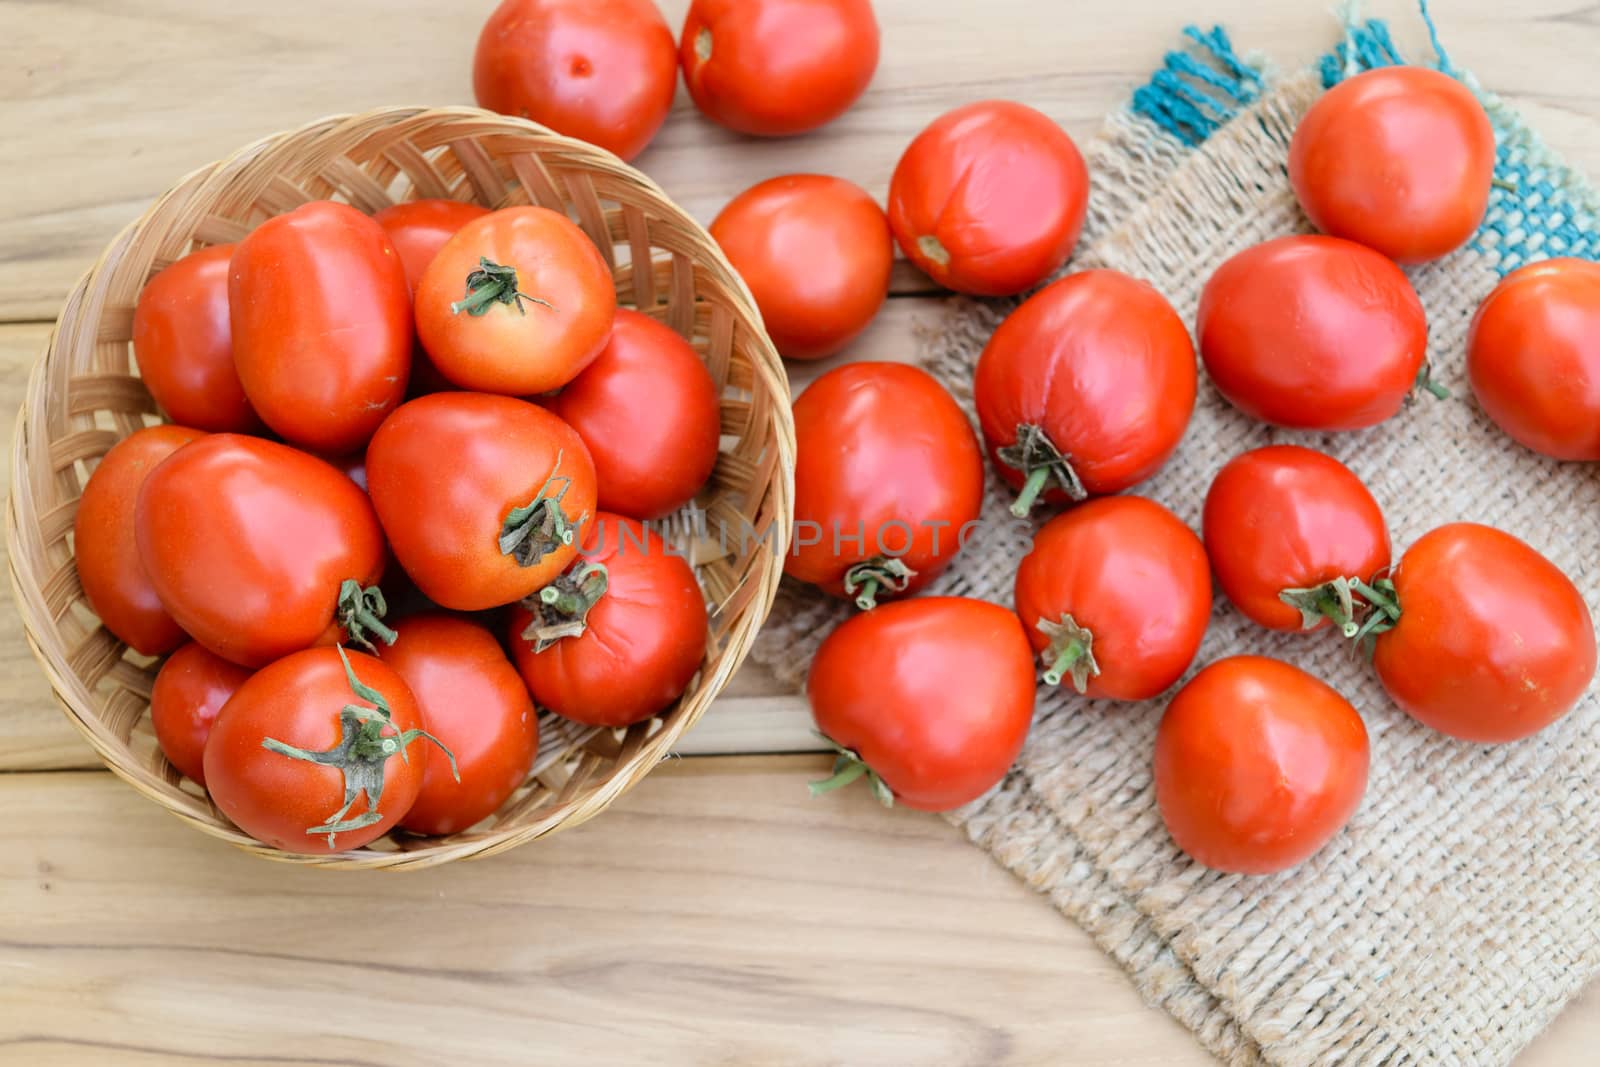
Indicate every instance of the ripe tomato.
{"type": "Point", "coordinates": [1348, 315]}
{"type": "Point", "coordinates": [418, 229]}
{"type": "Point", "coordinates": [1481, 637]}
{"type": "Point", "coordinates": [1287, 529]}
{"type": "Point", "coordinates": [317, 745]}
{"type": "Point", "coordinates": [617, 638]}
{"type": "Point", "coordinates": [189, 690]}
{"type": "Point", "coordinates": [1258, 765]}
{"type": "Point", "coordinates": [816, 253]}
{"type": "Point", "coordinates": [1534, 357]}
{"type": "Point", "coordinates": [777, 67]}
{"type": "Point", "coordinates": [1085, 389]}
{"type": "Point", "coordinates": [517, 302]}
{"type": "Point", "coordinates": [258, 550]}
{"type": "Point", "coordinates": [476, 705]}
{"type": "Point", "coordinates": [1116, 596]}
{"type": "Point", "coordinates": [1399, 159]}
{"type": "Point", "coordinates": [109, 568]}
{"type": "Point", "coordinates": [321, 325]}
{"type": "Point", "coordinates": [887, 478]}
{"type": "Point", "coordinates": [184, 345]}
{"type": "Point", "coordinates": [931, 699]}
{"type": "Point", "coordinates": [649, 413]}
{"type": "Point", "coordinates": [989, 199]}
{"type": "Point", "coordinates": [497, 521]}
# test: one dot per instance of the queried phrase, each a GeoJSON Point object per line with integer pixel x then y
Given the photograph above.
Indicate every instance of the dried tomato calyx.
{"type": "Point", "coordinates": [360, 614]}
{"type": "Point", "coordinates": [1041, 463]}
{"type": "Point", "coordinates": [1333, 600]}
{"type": "Point", "coordinates": [866, 580]}
{"type": "Point", "coordinates": [539, 527]}
{"type": "Point", "coordinates": [847, 768]}
{"type": "Point", "coordinates": [491, 284]}
{"type": "Point", "coordinates": [561, 609]}
{"type": "Point", "coordinates": [1070, 653]}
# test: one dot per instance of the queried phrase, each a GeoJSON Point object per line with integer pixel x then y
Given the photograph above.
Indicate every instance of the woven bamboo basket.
{"type": "Point", "coordinates": [84, 396]}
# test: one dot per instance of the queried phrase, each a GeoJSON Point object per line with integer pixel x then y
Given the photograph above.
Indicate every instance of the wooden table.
{"type": "Point", "coordinates": [715, 915]}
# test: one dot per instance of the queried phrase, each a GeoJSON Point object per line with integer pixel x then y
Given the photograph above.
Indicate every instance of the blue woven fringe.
{"type": "Point", "coordinates": [1197, 91]}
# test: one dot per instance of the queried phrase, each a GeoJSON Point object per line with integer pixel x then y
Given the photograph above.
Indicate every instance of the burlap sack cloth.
{"type": "Point", "coordinates": [1461, 907]}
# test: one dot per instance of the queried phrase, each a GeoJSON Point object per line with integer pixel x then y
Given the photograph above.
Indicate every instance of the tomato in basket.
{"type": "Point", "coordinates": [189, 691]}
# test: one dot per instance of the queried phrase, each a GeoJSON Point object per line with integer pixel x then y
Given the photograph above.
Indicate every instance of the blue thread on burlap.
{"type": "Point", "coordinates": [1197, 91]}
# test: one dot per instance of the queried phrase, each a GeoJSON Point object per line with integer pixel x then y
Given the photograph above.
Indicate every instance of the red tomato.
{"type": "Point", "coordinates": [650, 415]}
{"type": "Point", "coordinates": [777, 67]}
{"type": "Point", "coordinates": [1481, 637]}
{"type": "Point", "coordinates": [109, 568]}
{"type": "Point", "coordinates": [931, 699]}
{"type": "Point", "coordinates": [418, 229]}
{"type": "Point", "coordinates": [184, 345]}
{"type": "Point", "coordinates": [816, 253]}
{"type": "Point", "coordinates": [317, 746]}
{"type": "Point", "coordinates": [190, 689]}
{"type": "Point", "coordinates": [476, 705]}
{"type": "Point", "coordinates": [887, 478]}
{"type": "Point", "coordinates": [989, 199]}
{"type": "Point", "coordinates": [619, 637]}
{"type": "Point", "coordinates": [497, 521]}
{"type": "Point", "coordinates": [517, 303]}
{"type": "Point", "coordinates": [1349, 316]}
{"type": "Point", "coordinates": [1086, 389]}
{"type": "Point", "coordinates": [321, 325]}
{"type": "Point", "coordinates": [1258, 765]}
{"type": "Point", "coordinates": [1116, 596]}
{"type": "Point", "coordinates": [1287, 529]}
{"type": "Point", "coordinates": [1534, 357]}
{"type": "Point", "coordinates": [1399, 159]}
{"type": "Point", "coordinates": [258, 550]}
{"type": "Point", "coordinates": [603, 71]}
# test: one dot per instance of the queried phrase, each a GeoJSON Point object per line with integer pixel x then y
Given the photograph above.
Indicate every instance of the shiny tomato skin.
{"type": "Point", "coordinates": [1258, 765]}
{"type": "Point", "coordinates": [887, 461]}
{"type": "Point", "coordinates": [1533, 357]}
{"type": "Point", "coordinates": [989, 199]}
{"type": "Point", "coordinates": [1349, 315]}
{"type": "Point", "coordinates": [418, 229]}
{"type": "Point", "coordinates": [774, 68]}
{"type": "Point", "coordinates": [816, 253]}
{"type": "Point", "coordinates": [1400, 159]}
{"type": "Point", "coordinates": [444, 520]}
{"type": "Point", "coordinates": [321, 320]}
{"type": "Point", "coordinates": [1129, 572]}
{"type": "Point", "coordinates": [183, 342]}
{"type": "Point", "coordinates": [276, 798]}
{"type": "Point", "coordinates": [650, 415]}
{"type": "Point", "coordinates": [474, 702]}
{"type": "Point", "coordinates": [643, 640]}
{"type": "Point", "coordinates": [504, 350]}
{"type": "Point", "coordinates": [1494, 642]}
{"type": "Point", "coordinates": [603, 71]}
{"type": "Point", "coordinates": [1285, 517]}
{"type": "Point", "coordinates": [1101, 362]}
{"type": "Point", "coordinates": [934, 694]}
{"type": "Point", "coordinates": [189, 690]}
{"type": "Point", "coordinates": [248, 541]}
{"type": "Point", "coordinates": [110, 569]}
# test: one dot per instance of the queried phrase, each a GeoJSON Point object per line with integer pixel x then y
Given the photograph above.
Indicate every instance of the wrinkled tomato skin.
{"type": "Point", "coordinates": [1349, 315]}
{"type": "Point", "coordinates": [1400, 159]}
{"type": "Point", "coordinates": [321, 319]}
{"type": "Point", "coordinates": [1000, 188]}
{"type": "Point", "coordinates": [248, 541]}
{"type": "Point", "coordinates": [775, 68]}
{"type": "Point", "coordinates": [1285, 517]}
{"type": "Point", "coordinates": [1533, 357]}
{"type": "Point", "coordinates": [297, 700]}
{"type": "Point", "coordinates": [1494, 642]}
{"type": "Point", "coordinates": [110, 569]}
{"type": "Point", "coordinates": [1131, 573]}
{"type": "Point", "coordinates": [650, 415]}
{"type": "Point", "coordinates": [934, 694]}
{"type": "Point", "coordinates": [1258, 765]}
{"type": "Point", "coordinates": [474, 702]}
{"type": "Point", "coordinates": [189, 690]}
{"type": "Point", "coordinates": [643, 641]}
{"type": "Point", "coordinates": [183, 341]}
{"type": "Point", "coordinates": [444, 520]}
{"type": "Point", "coordinates": [816, 253]}
{"type": "Point", "coordinates": [418, 229]}
{"type": "Point", "coordinates": [1103, 364]}
{"type": "Point", "coordinates": [886, 465]}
